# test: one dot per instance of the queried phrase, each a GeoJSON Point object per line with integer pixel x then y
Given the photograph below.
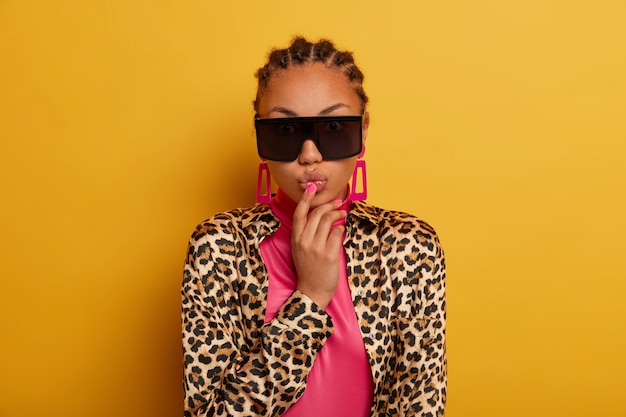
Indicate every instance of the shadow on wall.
{"type": "Point", "coordinates": [153, 347]}
{"type": "Point", "coordinates": [223, 166]}
{"type": "Point", "coordinates": [221, 175]}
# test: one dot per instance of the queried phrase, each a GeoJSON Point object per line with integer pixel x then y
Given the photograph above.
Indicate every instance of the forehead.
{"type": "Point", "coordinates": [308, 89]}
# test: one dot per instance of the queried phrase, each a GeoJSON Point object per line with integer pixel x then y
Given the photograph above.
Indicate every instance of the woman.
{"type": "Point", "coordinates": [312, 302]}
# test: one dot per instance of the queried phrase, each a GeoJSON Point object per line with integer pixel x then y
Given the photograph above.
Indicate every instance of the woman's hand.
{"type": "Point", "coordinates": [316, 247]}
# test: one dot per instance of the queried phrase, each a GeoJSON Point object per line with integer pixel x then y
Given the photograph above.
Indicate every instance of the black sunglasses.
{"type": "Point", "coordinates": [336, 137]}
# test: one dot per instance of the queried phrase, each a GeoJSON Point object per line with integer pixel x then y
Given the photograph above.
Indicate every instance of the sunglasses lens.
{"type": "Point", "coordinates": [279, 141]}
{"type": "Point", "coordinates": [337, 137]}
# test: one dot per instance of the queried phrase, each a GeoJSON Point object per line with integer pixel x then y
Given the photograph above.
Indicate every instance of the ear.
{"type": "Point", "coordinates": [365, 124]}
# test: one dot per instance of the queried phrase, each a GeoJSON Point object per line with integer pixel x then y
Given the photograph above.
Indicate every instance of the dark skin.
{"type": "Point", "coordinates": [319, 186]}
{"type": "Point", "coordinates": [315, 247]}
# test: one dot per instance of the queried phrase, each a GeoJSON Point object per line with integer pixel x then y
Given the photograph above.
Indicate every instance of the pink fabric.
{"type": "Point", "coordinates": [340, 382]}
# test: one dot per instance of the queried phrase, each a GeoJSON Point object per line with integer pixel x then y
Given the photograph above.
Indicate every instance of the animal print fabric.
{"type": "Point", "coordinates": [236, 365]}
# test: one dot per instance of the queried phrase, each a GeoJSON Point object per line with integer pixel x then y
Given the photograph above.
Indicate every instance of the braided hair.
{"type": "Point", "coordinates": [302, 52]}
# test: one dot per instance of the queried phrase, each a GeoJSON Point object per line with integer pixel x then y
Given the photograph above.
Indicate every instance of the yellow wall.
{"type": "Point", "coordinates": [124, 123]}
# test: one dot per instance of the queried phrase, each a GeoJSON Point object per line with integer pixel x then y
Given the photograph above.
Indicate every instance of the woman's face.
{"type": "Point", "coordinates": [311, 90]}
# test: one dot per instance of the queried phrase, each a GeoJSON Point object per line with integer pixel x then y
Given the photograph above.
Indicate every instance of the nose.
{"type": "Point", "coordinates": [309, 154]}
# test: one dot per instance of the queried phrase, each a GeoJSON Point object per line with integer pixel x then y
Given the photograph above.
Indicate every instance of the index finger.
{"type": "Point", "coordinates": [302, 210]}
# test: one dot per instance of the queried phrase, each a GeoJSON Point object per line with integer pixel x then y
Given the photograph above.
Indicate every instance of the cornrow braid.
{"type": "Point", "coordinates": [301, 52]}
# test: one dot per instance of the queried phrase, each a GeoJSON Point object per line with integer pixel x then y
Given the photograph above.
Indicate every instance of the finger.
{"type": "Point", "coordinates": [325, 225]}
{"type": "Point", "coordinates": [335, 238]}
{"type": "Point", "coordinates": [302, 210]}
{"type": "Point", "coordinates": [320, 220]}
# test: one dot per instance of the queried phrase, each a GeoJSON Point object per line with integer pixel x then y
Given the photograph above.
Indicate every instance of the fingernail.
{"type": "Point", "coordinates": [310, 188]}
{"type": "Point", "coordinates": [338, 201]}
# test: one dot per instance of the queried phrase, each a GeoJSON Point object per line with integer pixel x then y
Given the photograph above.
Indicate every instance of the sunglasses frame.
{"type": "Point", "coordinates": [309, 122]}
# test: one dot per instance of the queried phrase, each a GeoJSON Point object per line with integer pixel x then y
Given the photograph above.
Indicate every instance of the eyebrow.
{"type": "Point", "coordinates": [290, 113]}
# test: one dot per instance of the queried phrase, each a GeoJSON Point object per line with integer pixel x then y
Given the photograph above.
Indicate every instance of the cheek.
{"type": "Point", "coordinates": [284, 175]}
{"type": "Point", "coordinates": [280, 172]}
{"type": "Point", "coordinates": [347, 167]}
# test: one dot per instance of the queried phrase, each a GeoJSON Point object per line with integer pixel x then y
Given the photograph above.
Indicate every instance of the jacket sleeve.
{"type": "Point", "coordinates": [231, 366]}
{"type": "Point", "coordinates": [427, 364]}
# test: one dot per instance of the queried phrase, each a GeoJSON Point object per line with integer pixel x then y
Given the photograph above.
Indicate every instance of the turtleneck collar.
{"type": "Point", "coordinates": [283, 207]}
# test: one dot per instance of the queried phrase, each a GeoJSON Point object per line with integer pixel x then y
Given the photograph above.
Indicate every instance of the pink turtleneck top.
{"type": "Point", "coordinates": [340, 382]}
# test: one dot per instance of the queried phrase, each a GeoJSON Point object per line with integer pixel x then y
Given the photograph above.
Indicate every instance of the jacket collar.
{"type": "Point", "coordinates": [364, 211]}
{"type": "Point", "coordinates": [258, 221]}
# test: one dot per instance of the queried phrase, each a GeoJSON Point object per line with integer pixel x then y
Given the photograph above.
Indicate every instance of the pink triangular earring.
{"type": "Point", "coordinates": [359, 167]}
{"type": "Point", "coordinates": [263, 197]}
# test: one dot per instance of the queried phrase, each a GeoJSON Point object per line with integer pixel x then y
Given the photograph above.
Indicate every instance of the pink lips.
{"type": "Point", "coordinates": [313, 178]}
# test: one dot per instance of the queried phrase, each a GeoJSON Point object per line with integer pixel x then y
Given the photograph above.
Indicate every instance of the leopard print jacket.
{"type": "Point", "coordinates": [236, 365]}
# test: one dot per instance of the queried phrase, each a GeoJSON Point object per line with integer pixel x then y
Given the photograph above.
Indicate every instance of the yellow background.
{"type": "Point", "coordinates": [125, 123]}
